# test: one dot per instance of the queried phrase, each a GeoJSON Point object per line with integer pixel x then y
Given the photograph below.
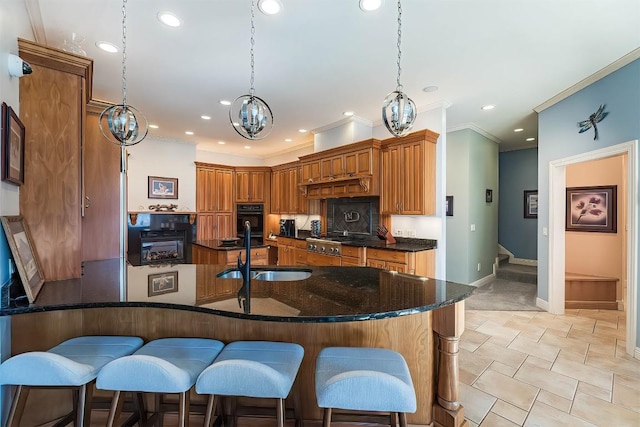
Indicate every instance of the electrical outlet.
{"type": "Point", "coordinates": [398, 233]}
{"type": "Point", "coordinates": [411, 233]}
{"type": "Point", "coordinates": [479, 265]}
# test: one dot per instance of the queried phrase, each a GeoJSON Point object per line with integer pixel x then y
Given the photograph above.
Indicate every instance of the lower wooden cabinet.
{"type": "Point", "coordinates": [204, 255]}
{"type": "Point", "coordinates": [421, 263]}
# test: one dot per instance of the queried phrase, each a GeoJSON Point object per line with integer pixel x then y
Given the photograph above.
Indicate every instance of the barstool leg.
{"type": "Point", "coordinates": [114, 410]}
{"type": "Point", "coordinates": [326, 419]}
{"type": "Point", "coordinates": [183, 411]}
{"type": "Point", "coordinates": [393, 421]}
{"type": "Point", "coordinates": [211, 408]}
{"type": "Point", "coordinates": [403, 419]}
{"type": "Point", "coordinates": [280, 414]}
{"type": "Point", "coordinates": [17, 406]}
{"type": "Point", "coordinates": [81, 406]}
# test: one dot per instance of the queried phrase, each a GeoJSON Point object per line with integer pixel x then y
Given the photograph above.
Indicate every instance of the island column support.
{"type": "Point", "coordinates": [448, 324]}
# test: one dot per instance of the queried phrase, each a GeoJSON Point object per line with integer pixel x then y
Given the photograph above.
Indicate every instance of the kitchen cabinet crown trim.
{"type": "Point", "coordinates": [421, 135]}
{"type": "Point", "coordinates": [343, 149]}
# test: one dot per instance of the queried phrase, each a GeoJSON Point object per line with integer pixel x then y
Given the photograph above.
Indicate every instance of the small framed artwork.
{"type": "Point", "coordinates": [488, 195]}
{"type": "Point", "coordinates": [449, 205]}
{"type": "Point", "coordinates": [163, 283]}
{"type": "Point", "coordinates": [12, 135]}
{"type": "Point", "coordinates": [592, 209]}
{"type": "Point", "coordinates": [24, 255]}
{"type": "Point", "coordinates": [531, 203]}
{"type": "Point", "coordinates": [163, 188]}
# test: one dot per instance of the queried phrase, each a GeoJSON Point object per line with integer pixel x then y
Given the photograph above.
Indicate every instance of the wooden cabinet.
{"type": "Point", "coordinates": [204, 255]}
{"type": "Point", "coordinates": [345, 171]}
{"type": "Point", "coordinates": [352, 256]}
{"type": "Point", "coordinates": [214, 202]}
{"type": "Point", "coordinates": [252, 184]}
{"type": "Point", "coordinates": [421, 263]}
{"type": "Point", "coordinates": [408, 174]}
{"type": "Point", "coordinates": [286, 197]}
{"type": "Point", "coordinates": [286, 251]}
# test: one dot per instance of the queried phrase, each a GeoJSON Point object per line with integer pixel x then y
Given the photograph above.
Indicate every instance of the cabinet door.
{"type": "Point", "coordinates": [224, 191]}
{"type": "Point", "coordinates": [411, 200]}
{"type": "Point", "coordinates": [276, 192]}
{"type": "Point", "coordinates": [394, 266]}
{"type": "Point", "coordinates": [256, 187]}
{"type": "Point", "coordinates": [243, 194]}
{"type": "Point", "coordinates": [376, 263]}
{"type": "Point", "coordinates": [311, 171]}
{"type": "Point", "coordinates": [201, 189]}
{"type": "Point", "coordinates": [390, 180]}
{"type": "Point", "coordinates": [206, 226]}
{"type": "Point", "coordinates": [332, 167]}
{"type": "Point", "coordinates": [358, 162]}
{"type": "Point", "coordinates": [292, 191]}
{"type": "Point", "coordinates": [225, 226]}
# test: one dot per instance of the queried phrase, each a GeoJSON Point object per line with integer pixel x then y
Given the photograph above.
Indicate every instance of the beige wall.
{"type": "Point", "coordinates": [599, 254]}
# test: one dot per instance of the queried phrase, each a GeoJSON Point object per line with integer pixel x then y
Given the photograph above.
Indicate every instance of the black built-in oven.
{"type": "Point", "coordinates": [254, 213]}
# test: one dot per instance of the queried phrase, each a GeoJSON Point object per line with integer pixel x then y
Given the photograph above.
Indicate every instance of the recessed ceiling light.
{"type": "Point", "coordinates": [203, 117]}
{"type": "Point", "coordinates": [530, 139]}
{"type": "Point", "coordinates": [221, 142]}
{"type": "Point", "coordinates": [225, 102]}
{"type": "Point", "coordinates": [247, 147]}
{"type": "Point", "coordinates": [302, 130]}
{"type": "Point", "coordinates": [153, 126]}
{"type": "Point", "coordinates": [518, 130]}
{"type": "Point", "coordinates": [189, 132]}
{"type": "Point", "coordinates": [431, 88]}
{"type": "Point", "coordinates": [369, 5]}
{"type": "Point", "coordinates": [107, 47]}
{"type": "Point", "coordinates": [168, 18]}
{"type": "Point", "coordinates": [488, 107]}
{"type": "Point", "coordinates": [348, 113]}
{"type": "Point", "coordinates": [269, 7]}
{"type": "Point", "coordinates": [288, 140]}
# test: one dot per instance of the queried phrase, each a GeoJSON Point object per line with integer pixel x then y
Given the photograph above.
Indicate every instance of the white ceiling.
{"type": "Point", "coordinates": [319, 58]}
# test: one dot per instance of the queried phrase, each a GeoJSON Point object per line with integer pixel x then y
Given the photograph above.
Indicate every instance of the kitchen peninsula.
{"type": "Point", "coordinates": [334, 306]}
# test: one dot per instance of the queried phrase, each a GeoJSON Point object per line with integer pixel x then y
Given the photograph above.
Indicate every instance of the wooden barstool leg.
{"type": "Point", "coordinates": [116, 407]}
{"type": "Point", "coordinates": [138, 401]}
{"type": "Point", "coordinates": [17, 406]}
{"type": "Point", "coordinates": [211, 408]}
{"type": "Point", "coordinates": [280, 412]}
{"type": "Point", "coordinates": [393, 421]}
{"type": "Point", "coordinates": [326, 418]}
{"type": "Point", "coordinates": [403, 419]}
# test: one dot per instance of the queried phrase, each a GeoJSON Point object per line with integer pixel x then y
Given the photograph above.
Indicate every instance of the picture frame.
{"type": "Point", "coordinates": [12, 133]}
{"type": "Point", "coordinates": [162, 188]}
{"type": "Point", "coordinates": [24, 255]}
{"type": "Point", "coordinates": [531, 203]}
{"type": "Point", "coordinates": [449, 205]}
{"type": "Point", "coordinates": [163, 283]}
{"type": "Point", "coordinates": [592, 209]}
{"type": "Point", "coordinates": [488, 195]}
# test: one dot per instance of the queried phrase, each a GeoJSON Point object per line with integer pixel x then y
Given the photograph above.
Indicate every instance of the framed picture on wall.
{"type": "Point", "coordinates": [531, 203]}
{"type": "Point", "coordinates": [12, 135]}
{"type": "Point", "coordinates": [592, 209]}
{"type": "Point", "coordinates": [162, 188]}
{"type": "Point", "coordinates": [163, 283]}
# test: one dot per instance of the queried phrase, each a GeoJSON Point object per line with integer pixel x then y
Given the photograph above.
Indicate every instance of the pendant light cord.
{"type": "Point", "coordinates": [399, 87]}
{"type": "Point", "coordinates": [124, 52]}
{"type": "Point", "coordinates": [253, 42]}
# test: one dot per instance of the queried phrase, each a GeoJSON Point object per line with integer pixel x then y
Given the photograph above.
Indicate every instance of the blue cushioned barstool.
{"type": "Point", "coordinates": [364, 379]}
{"type": "Point", "coordinates": [73, 363]}
{"type": "Point", "coordinates": [262, 369]}
{"type": "Point", "coordinates": [168, 365]}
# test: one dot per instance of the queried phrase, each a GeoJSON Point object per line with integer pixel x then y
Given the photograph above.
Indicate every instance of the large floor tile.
{"type": "Point", "coordinates": [494, 420]}
{"type": "Point", "coordinates": [541, 350]}
{"type": "Point", "coordinates": [554, 400]}
{"type": "Point", "coordinates": [498, 330]}
{"type": "Point", "coordinates": [502, 354]}
{"type": "Point", "coordinates": [471, 340]}
{"type": "Point", "coordinates": [509, 412]}
{"type": "Point", "coordinates": [553, 382]}
{"type": "Point", "coordinates": [623, 366]}
{"type": "Point", "coordinates": [596, 411]}
{"type": "Point", "coordinates": [589, 374]}
{"type": "Point", "coordinates": [477, 403]}
{"type": "Point", "coordinates": [542, 415]}
{"type": "Point", "coordinates": [568, 344]}
{"type": "Point", "coordinates": [594, 391]}
{"type": "Point", "coordinates": [508, 389]}
{"type": "Point", "coordinates": [626, 396]}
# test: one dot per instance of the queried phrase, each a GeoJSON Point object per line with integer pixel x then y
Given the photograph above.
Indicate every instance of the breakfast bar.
{"type": "Point", "coordinates": [316, 307]}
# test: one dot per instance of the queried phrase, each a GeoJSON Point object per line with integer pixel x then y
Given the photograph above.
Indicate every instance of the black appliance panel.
{"type": "Point", "coordinates": [255, 215]}
{"type": "Point", "coordinates": [356, 216]}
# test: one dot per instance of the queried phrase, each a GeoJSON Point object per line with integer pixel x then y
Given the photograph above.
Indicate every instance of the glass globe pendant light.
{"type": "Point", "coordinates": [398, 110]}
{"type": "Point", "coordinates": [122, 120]}
{"type": "Point", "coordinates": [250, 115]}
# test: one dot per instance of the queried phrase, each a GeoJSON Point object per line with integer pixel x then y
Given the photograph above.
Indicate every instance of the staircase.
{"type": "Point", "coordinates": [516, 272]}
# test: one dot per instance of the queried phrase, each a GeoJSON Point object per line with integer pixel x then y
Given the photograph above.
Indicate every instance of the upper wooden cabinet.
{"type": "Point", "coordinates": [286, 197]}
{"type": "Point", "coordinates": [252, 184]}
{"type": "Point", "coordinates": [345, 171]}
{"type": "Point", "coordinates": [214, 188]}
{"type": "Point", "coordinates": [408, 174]}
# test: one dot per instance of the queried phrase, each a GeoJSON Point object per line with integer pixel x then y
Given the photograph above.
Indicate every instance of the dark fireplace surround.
{"type": "Point", "coordinates": [160, 238]}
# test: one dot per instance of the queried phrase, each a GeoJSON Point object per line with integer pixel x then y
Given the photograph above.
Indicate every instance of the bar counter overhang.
{"type": "Point", "coordinates": [419, 317]}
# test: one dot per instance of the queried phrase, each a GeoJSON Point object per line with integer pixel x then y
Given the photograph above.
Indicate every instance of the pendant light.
{"type": "Point", "coordinates": [122, 120]}
{"type": "Point", "coordinates": [251, 116]}
{"type": "Point", "coordinates": [398, 110]}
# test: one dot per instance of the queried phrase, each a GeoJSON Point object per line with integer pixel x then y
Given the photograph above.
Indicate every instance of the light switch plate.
{"type": "Point", "coordinates": [473, 227]}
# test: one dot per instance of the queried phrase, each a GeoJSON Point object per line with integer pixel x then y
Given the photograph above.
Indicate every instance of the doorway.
{"type": "Point", "coordinates": [557, 191]}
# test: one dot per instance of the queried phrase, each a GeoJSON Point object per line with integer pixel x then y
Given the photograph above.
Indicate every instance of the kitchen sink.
{"type": "Point", "coordinates": [280, 275]}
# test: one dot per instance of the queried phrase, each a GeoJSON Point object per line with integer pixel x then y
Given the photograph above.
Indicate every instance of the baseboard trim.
{"type": "Point", "coordinates": [523, 261]}
{"type": "Point", "coordinates": [483, 281]}
{"type": "Point", "coordinates": [540, 303]}
{"type": "Point", "coordinates": [637, 353]}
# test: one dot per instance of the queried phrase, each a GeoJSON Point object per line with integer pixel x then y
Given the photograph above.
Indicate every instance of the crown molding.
{"type": "Point", "coordinates": [35, 19]}
{"type": "Point", "coordinates": [474, 127]}
{"type": "Point", "coordinates": [614, 66]}
{"type": "Point", "coordinates": [342, 122]}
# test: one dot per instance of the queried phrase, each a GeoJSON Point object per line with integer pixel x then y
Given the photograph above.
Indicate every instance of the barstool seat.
{"type": "Point", "coordinates": [73, 363]}
{"type": "Point", "coordinates": [364, 379]}
{"type": "Point", "coordinates": [261, 369]}
{"type": "Point", "coordinates": [168, 365]}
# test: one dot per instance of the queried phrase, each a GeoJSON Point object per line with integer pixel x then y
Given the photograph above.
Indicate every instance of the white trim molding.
{"type": "Point", "coordinates": [636, 354]}
{"type": "Point", "coordinates": [524, 261]}
{"type": "Point", "coordinates": [544, 305]}
{"type": "Point", "coordinates": [474, 127]}
{"type": "Point", "coordinates": [483, 281]}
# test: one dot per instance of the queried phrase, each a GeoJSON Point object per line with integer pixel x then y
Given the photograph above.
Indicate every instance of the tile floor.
{"type": "Point", "coordinates": [527, 368]}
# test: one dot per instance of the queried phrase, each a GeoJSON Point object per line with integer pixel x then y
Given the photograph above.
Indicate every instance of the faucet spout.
{"type": "Point", "coordinates": [244, 294]}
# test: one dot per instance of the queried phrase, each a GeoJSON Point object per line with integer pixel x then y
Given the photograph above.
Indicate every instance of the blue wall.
{"type": "Point", "coordinates": [518, 172]}
{"type": "Point", "coordinates": [558, 138]}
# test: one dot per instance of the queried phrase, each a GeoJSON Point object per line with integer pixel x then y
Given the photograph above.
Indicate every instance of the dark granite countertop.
{"type": "Point", "coordinates": [402, 244]}
{"type": "Point", "coordinates": [330, 294]}
{"type": "Point", "coordinates": [218, 246]}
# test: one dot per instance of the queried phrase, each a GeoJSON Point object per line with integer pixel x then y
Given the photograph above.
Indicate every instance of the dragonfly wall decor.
{"type": "Point", "coordinates": [594, 118]}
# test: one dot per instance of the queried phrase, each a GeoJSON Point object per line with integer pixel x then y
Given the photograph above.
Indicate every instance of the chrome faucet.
{"type": "Point", "coordinates": [244, 294]}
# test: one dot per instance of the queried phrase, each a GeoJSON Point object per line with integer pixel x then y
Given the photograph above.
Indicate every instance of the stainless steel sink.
{"type": "Point", "coordinates": [268, 275]}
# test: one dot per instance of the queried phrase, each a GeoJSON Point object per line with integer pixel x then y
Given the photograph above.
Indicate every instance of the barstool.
{"type": "Point", "coordinates": [260, 369]}
{"type": "Point", "coordinates": [364, 379]}
{"type": "Point", "coordinates": [73, 363]}
{"type": "Point", "coordinates": [168, 365]}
